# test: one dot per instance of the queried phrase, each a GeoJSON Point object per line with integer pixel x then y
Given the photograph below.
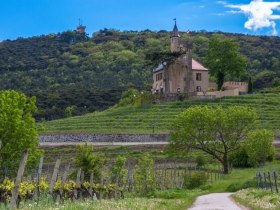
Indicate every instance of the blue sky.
{"type": "Point", "coordinates": [26, 18]}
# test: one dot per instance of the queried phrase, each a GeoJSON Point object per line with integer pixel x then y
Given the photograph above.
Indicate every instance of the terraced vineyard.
{"type": "Point", "coordinates": [157, 118]}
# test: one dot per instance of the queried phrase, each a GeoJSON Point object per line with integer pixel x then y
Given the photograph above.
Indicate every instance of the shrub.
{"type": "Point", "coordinates": [265, 73]}
{"type": "Point", "coordinates": [89, 161]}
{"type": "Point", "coordinates": [249, 184]}
{"type": "Point", "coordinates": [200, 161]}
{"type": "Point", "coordinates": [239, 158]}
{"type": "Point", "coordinates": [118, 172]}
{"type": "Point", "coordinates": [276, 82]}
{"type": "Point", "coordinates": [181, 97]}
{"type": "Point", "coordinates": [195, 180]}
{"type": "Point", "coordinates": [257, 149]}
{"type": "Point", "coordinates": [69, 111]}
{"type": "Point", "coordinates": [144, 177]}
{"type": "Point", "coordinates": [128, 97]}
{"type": "Point", "coordinates": [171, 194]}
{"type": "Point", "coordinates": [236, 186]}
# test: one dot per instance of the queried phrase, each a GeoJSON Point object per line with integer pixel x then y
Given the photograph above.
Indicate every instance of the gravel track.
{"type": "Point", "coordinates": [216, 201]}
{"type": "Point", "coordinates": [56, 144]}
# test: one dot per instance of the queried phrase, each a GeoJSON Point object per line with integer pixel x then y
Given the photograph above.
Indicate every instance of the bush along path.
{"type": "Point", "coordinates": [220, 201]}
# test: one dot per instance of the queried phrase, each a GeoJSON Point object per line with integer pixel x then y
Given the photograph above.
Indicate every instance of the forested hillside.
{"type": "Point", "coordinates": [90, 73]}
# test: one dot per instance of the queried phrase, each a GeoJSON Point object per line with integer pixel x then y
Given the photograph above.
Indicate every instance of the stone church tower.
{"type": "Point", "coordinates": [184, 75]}
{"type": "Point", "coordinates": [175, 39]}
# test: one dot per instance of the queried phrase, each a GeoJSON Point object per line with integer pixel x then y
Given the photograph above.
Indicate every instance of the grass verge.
{"type": "Point", "coordinates": [258, 199]}
{"type": "Point", "coordinates": [168, 199]}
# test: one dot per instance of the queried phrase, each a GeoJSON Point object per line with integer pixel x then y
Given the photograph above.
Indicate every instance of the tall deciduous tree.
{"type": "Point", "coordinates": [17, 128]}
{"type": "Point", "coordinates": [224, 59]}
{"type": "Point", "coordinates": [217, 131]}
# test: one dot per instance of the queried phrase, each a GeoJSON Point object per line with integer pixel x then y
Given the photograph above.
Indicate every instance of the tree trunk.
{"type": "Point", "coordinates": [220, 80]}
{"type": "Point", "coordinates": [226, 168]}
{"type": "Point", "coordinates": [225, 164]}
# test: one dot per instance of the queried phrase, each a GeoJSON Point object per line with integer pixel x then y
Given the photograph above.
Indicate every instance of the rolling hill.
{"type": "Point", "coordinates": [157, 118]}
{"type": "Point", "coordinates": [89, 74]}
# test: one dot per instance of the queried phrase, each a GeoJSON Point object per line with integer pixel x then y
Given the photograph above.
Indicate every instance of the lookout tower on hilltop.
{"type": "Point", "coordinates": [81, 28]}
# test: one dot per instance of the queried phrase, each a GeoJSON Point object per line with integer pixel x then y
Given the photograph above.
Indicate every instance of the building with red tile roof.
{"type": "Point", "coordinates": [184, 75]}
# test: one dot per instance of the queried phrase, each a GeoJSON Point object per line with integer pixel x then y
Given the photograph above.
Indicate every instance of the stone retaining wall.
{"type": "Point", "coordinates": [104, 138]}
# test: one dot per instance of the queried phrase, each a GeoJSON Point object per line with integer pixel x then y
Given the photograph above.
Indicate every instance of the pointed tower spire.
{"type": "Point", "coordinates": [175, 32]}
{"type": "Point", "coordinates": [175, 38]}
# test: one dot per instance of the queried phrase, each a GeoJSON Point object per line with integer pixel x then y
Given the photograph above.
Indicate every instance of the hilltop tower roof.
{"type": "Point", "coordinates": [81, 28]}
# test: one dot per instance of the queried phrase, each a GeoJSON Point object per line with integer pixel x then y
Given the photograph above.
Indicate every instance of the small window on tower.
{"type": "Point", "coordinates": [198, 76]}
{"type": "Point", "coordinates": [198, 89]}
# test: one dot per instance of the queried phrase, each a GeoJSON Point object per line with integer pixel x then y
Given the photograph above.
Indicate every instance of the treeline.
{"type": "Point", "coordinates": [89, 73]}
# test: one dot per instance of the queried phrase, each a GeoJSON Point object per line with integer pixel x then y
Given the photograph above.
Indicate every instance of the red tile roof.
{"type": "Point", "coordinates": [198, 66]}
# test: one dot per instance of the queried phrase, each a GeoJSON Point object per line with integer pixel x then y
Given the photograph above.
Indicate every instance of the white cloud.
{"type": "Point", "coordinates": [220, 14]}
{"type": "Point", "coordinates": [235, 12]}
{"type": "Point", "coordinates": [260, 14]}
{"type": "Point", "coordinates": [222, 2]}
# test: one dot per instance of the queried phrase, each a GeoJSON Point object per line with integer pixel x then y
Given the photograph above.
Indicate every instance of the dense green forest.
{"type": "Point", "coordinates": [89, 73]}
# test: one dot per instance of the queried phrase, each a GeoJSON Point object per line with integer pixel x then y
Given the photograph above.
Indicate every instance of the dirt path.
{"type": "Point", "coordinates": [216, 201]}
{"type": "Point", "coordinates": [73, 143]}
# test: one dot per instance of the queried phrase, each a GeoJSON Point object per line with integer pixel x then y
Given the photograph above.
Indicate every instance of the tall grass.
{"type": "Point", "coordinates": [165, 200]}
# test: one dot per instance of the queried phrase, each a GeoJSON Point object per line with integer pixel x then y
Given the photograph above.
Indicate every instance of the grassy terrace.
{"type": "Point", "coordinates": [157, 118]}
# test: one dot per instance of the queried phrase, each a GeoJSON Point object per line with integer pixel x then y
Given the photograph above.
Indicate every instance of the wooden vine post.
{"type": "Point", "coordinates": [275, 181]}
{"type": "Point", "coordinates": [54, 175]}
{"type": "Point", "coordinates": [264, 177]}
{"type": "Point", "coordinates": [101, 191]}
{"type": "Point", "coordinates": [261, 182]}
{"type": "Point", "coordinates": [78, 183]}
{"type": "Point", "coordinates": [81, 183]}
{"type": "Point", "coordinates": [91, 183]}
{"type": "Point", "coordinates": [65, 174]}
{"type": "Point", "coordinates": [40, 166]}
{"type": "Point", "coordinates": [269, 180]}
{"type": "Point", "coordinates": [20, 172]}
{"type": "Point", "coordinates": [117, 187]}
{"type": "Point", "coordinates": [64, 178]}
{"type": "Point", "coordinates": [107, 187]}
{"type": "Point", "coordinates": [162, 179]}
